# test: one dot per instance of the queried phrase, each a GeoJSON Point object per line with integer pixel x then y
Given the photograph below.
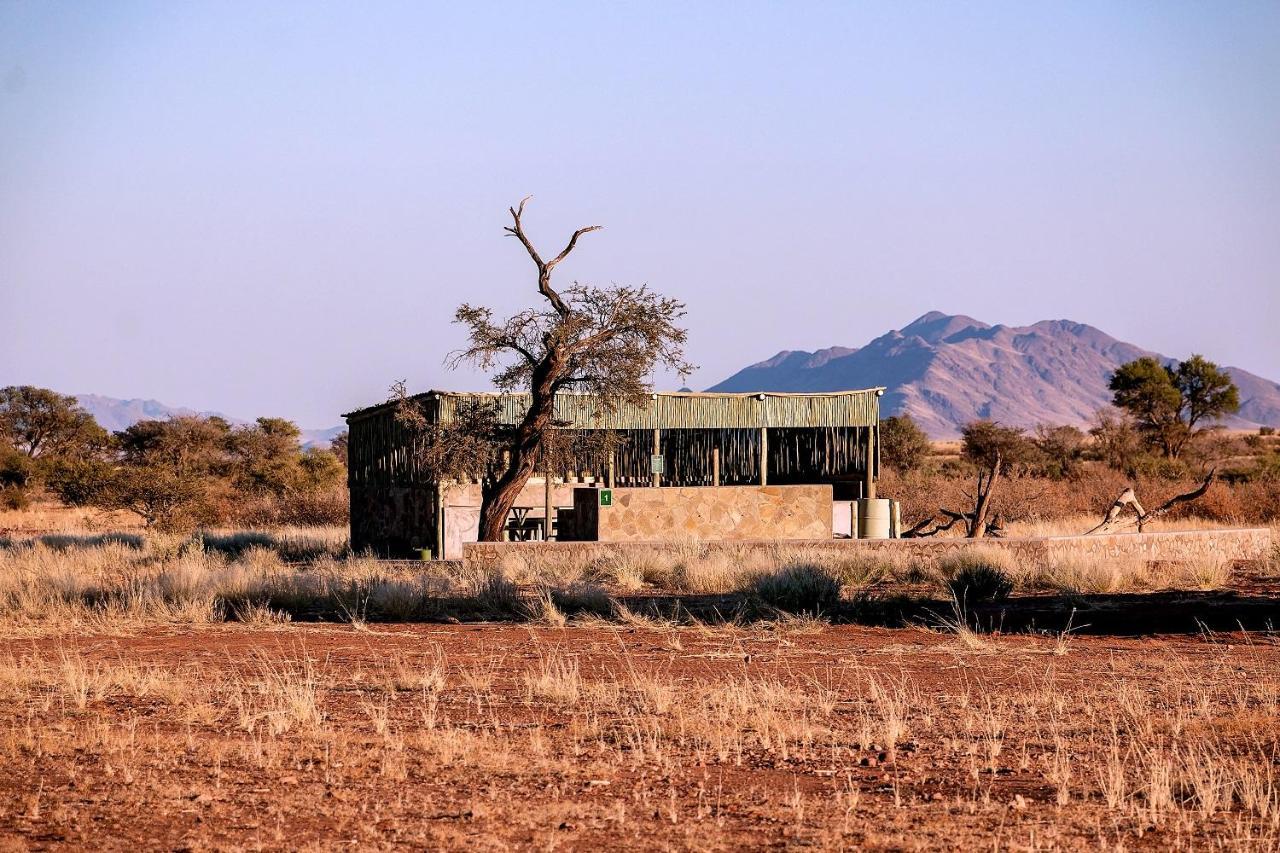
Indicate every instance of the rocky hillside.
{"type": "Point", "coordinates": [947, 370]}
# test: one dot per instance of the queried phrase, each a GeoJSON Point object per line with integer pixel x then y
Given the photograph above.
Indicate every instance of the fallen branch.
{"type": "Point", "coordinates": [922, 530]}
{"type": "Point", "coordinates": [1114, 520]}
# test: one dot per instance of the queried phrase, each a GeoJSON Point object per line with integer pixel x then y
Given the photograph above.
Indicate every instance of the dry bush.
{"type": "Point", "coordinates": [294, 544]}
{"type": "Point", "coordinates": [693, 568]}
{"type": "Point", "coordinates": [1082, 575]}
{"type": "Point", "coordinates": [798, 588]}
{"type": "Point", "coordinates": [979, 574]}
{"type": "Point", "coordinates": [318, 508]}
{"type": "Point", "coordinates": [175, 579]}
{"type": "Point", "coordinates": [1100, 575]}
{"type": "Point", "coordinates": [555, 678]}
{"type": "Point", "coordinates": [1029, 501]}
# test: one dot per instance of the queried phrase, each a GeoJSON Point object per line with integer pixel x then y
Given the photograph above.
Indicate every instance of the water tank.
{"type": "Point", "coordinates": [873, 518]}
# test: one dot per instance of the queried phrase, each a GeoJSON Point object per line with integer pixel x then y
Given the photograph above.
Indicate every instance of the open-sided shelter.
{"type": "Point", "coordinates": [674, 439]}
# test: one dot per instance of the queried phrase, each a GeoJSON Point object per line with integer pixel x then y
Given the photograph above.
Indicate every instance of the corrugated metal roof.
{"type": "Point", "coordinates": [679, 410]}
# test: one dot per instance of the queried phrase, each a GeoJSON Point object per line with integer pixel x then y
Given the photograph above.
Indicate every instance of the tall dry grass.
{"type": "Point", "coordinates": [60, 581]}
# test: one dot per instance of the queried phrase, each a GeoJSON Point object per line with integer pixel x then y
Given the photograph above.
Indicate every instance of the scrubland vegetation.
{"type": "Point", "coordinates": [61, 582]}
{"type": "Point", "coordinates": [174, 474]}
{"type": "Point", "coordinates": [174, 681]}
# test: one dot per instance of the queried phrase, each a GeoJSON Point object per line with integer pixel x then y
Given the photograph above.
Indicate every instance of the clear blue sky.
{"type": "Point", "coordinates": [266, 208]}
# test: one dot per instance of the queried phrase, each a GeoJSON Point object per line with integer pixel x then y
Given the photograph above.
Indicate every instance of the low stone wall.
{"type": "Point", "coordinates": [737, 513]}
{"type": "Point", "coordinates": [1037, 553]}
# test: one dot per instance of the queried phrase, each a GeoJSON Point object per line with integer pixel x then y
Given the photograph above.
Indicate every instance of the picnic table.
{"type": "Point", "coordinates": [523, 526]}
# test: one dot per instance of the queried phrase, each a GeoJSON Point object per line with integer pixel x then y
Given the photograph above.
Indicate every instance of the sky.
{"type": "Point", "coordinates": [275, 208]}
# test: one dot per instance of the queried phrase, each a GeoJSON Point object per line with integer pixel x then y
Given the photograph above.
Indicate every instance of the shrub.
{"type": "Point", "coordinates": [798, 588]}
{"type": "Point", "coordinates": [236, 543]}
{"type": "Point", "coordinates": [13, 497]}
{"type": "Point", "coordinates": [903, 445]}
{"type": "Point", "coordinates": [1089, 574]}
{"type": "Point", "coordinates": [699, 572]}
{"type": "Point", "coordinates": [581, 598]}
{"type": "Point", "coordinates": [978, 574]}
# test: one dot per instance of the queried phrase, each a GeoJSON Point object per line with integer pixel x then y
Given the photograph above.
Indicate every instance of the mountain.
{"type": "Point", "coordinates": [946, 370]}
{"type": "Point", "coordinates": [115, 414]}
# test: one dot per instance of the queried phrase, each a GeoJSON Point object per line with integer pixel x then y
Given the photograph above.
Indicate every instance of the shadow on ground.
{"type": "Point", "coordinates": [1129, 614]}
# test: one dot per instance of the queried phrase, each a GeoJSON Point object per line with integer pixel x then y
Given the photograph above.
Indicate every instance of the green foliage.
{"type": "Point", "coordinates": [321, 469]}
{"type": "Point", "coordinates": [903, 445]}
{"type": "Point", "coordinates": [991, 447]}
{"type": "Point", "coordinates": [1166, 402]}
{"type": "Point", "coordinates": [1061, 451]}
{"type": "Point", "coordinates": [80, 482]}
{"type": "Point", "coordinates": [172, 473]}
{"type": "Point", "coordinates": [161, 496]}
{"type": "Point", "coordinates": [264, 457]}
{"type": "Point", "coordinates": [1207, 391]}
{"type": "Point", "coordinates": [42, 423]}
{"type": "Point", "coordinates": [16, 468]}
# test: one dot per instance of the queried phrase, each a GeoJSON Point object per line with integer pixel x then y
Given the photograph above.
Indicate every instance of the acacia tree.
{"type": "Point", "coordinates": [604, 341]}
{"type": "Point", "coordinates": [40, 423]}
{"type": "Point", "coordinates": [1167, 401]}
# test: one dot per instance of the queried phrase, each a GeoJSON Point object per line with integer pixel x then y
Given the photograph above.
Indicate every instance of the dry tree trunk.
{"type": "Point", "coordinates": [978, 522]}
{"type": "Point", "coordinates": [548, 374]}
{"type": "Point", "coordinates": [1113, 521]}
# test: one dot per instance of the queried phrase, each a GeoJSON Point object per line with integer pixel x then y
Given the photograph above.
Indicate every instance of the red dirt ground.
{"type": "Point", "coordinates": [684, 737]}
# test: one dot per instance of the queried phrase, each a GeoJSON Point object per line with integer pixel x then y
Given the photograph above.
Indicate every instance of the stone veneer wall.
{"type": "Point", "coordinates": [1167, 546]}
{"type": "Point", "coordinates": [778, 513]}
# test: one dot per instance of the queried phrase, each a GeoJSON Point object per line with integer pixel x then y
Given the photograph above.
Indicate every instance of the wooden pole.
{"type": "Point", "coordinates": [657, 448]}
{"type": "Point", "coordinates": [869, 477]}
{"type": "Point", "coordinates": [437, 547]}
{"type": "Point", "coordinates": [611, 470]}
{"type": "Point", "coordinates": [715, 466]}
{"type": "Point", "coordinates": [546, 508]}
{"type": "Point", "coordinates": [764, 456]}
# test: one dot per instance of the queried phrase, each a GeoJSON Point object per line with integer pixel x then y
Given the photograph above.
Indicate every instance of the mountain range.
{"type": "Point", "coordinates": [947, 370]}
{"type": "Point", "coordinates": [115, 414]}
{"type": "Point", "coordinates": [944, 370]}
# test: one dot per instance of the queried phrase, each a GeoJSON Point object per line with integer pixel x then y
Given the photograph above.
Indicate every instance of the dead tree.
{"type": "Point", "coordinates": [992, 526]}
{"type": "Point", "coordinates": [606, 342]}
{"type": "Point", "coordinates": [992, 451]}
{"type": "Point", "coordinates": [1115, 520]}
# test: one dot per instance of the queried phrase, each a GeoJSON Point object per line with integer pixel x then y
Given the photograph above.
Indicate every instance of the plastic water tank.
{"type": "Point", "coordinates": [873, 518]}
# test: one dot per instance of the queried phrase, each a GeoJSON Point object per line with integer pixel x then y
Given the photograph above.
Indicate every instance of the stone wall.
{"type": "Point", "coordinates": [734, 513]}
{"type": "Point", "coordinates": [1039, 553]}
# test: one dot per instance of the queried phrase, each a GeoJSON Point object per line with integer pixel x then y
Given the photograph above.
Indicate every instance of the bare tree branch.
{"type": "Point", "coordinates": [573, 241]}
{"type": "Point", "coordinates": [921, 530]}
{"type": "Point", "coordinates": [545, 268]}
{"type": "Point", "coordinates": [606, 342]}
{"type": "Point", "coordinates": [1113, 520]}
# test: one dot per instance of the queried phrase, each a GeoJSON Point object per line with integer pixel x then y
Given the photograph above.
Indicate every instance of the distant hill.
{"type": "Point", "coordinates": [947, 370]}
{"type": "Point", "coordinates": [115, 414]}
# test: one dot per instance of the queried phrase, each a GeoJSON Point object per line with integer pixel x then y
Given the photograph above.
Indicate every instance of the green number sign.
{"type": "Point", "coordinates": [606, 497]}
{"type": "Point", "coordinates": [657, 465]}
